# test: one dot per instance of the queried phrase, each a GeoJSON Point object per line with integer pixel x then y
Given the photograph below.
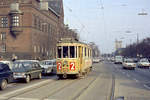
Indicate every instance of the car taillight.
{"type": "Point", "coordinates": [72, 66]}
{"type": "Point", "coordinates": [59, 66]}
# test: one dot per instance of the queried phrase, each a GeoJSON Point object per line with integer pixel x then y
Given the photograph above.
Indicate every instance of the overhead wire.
{"type": "Point", "coordinates": [102, 8]}
{"type": "Point", "coordinates": [83, 27]}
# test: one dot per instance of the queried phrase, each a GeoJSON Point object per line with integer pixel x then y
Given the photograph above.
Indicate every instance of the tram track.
{"type": "Point", "coordinates": [17, 95]}
{"type": "Point", "coordinates": [112, 89]}
{"type": "Point", "coordinates": [59, 89]}
{"type": "Point", "coordinates": [9, 96]}
{"type": "Point", "coordinates": [85, 88]}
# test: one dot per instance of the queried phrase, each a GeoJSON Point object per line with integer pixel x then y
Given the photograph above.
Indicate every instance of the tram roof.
{"type": "Point", "coordinates": [70, 40]}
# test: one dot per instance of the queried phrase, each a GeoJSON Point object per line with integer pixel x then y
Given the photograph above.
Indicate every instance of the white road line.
{"type": "Point", "coordinates": [23, 99]}
{"type": "Point", "coordinates": [128, 75]}
{"type": "Point", "coordinates": [146, 86]}
{"type": "Point", "coordinates": [123, 72]}
{"type": "Point", "coordinates": [136, 80]}
{"type": "Point", "coordinates": [25, 88]}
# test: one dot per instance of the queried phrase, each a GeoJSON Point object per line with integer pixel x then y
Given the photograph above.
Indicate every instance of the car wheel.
{"type": "Point", "coordinates": [27, 79]}
{"type": "Point", "coordinates": [3, 84]}
{"type": "Point", "coordinates": [39, 76]}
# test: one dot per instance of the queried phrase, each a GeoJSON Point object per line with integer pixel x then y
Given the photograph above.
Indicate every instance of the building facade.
{"type": "Point", "coordinates": [29, 29]}
{"type": "Point", "coordinates": [118, 44]}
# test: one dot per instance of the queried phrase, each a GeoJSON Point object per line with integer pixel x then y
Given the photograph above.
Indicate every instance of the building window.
{"type": "Point", "coordinates": [4, 22]}
{"type": "Point", "coordinates": [38, 49]}
{"type": "Point", "coordinates": [15, 21]}
{"type": "Point", "coordinates": [35, 21]}
{"type": "Point", "coordinates": [39, 24]}
{"type": "Point", "coordinates": [42, 50]}
{"type": "Point", "coordinates": [46, 28]}
{"type": "Point", "coordinates": [35, 49]}
{"type": "Point", "coordinates": [3, 47]}
{"type": "Point", "coordinates": [3, 36]}
{"type": "Point", "coordinates": [42, 27]}
{"type": "Point", "coordinates": [49, 28]}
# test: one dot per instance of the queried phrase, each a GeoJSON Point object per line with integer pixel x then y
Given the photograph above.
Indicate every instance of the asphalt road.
{"type": "Point", "coordinates": [106, 82]}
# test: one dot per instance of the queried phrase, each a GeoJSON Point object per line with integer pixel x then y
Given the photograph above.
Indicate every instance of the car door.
{"type": "Point", "coordinates": [9, 74]}
{"type": "Point", "coordinates": [32, 71]}
{"type": "Point", "coordinates": [38, 69]}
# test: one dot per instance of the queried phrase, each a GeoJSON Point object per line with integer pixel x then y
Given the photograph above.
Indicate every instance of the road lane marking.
{"type": "Point", "coordinates": [25, 88]}
{"type": "Point", "coordinates": [128, 75]}
{"type": "Point", "coordinates": [136, 80]}
{"type": "Point", "coordinates": [123, 72]}
{"type": "Point", "coordinates": [23, 99]}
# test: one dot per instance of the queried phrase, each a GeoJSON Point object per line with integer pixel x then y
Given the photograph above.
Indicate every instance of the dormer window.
{"type": "Point", "coordinates": [15, 21]}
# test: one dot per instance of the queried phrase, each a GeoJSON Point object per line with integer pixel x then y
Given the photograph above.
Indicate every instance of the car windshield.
{"type": "Point", "coordinates": [129, 60]}
{"type": "Point", "coordinates": [144, 60]}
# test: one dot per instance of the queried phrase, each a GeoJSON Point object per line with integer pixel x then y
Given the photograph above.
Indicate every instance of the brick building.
{"type": "Point", "coordinates": [29, 29]}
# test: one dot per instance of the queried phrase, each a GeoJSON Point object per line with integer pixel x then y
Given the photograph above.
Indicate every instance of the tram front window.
{"type": "Point", "coordinates": [72, 52]}
{"type": "Point", "coordinates": [59, 52]}
{"type": "Point", "coordinates": [65, 52]}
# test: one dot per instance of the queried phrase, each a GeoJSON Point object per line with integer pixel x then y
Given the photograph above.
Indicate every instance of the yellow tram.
{"type": "Point", "coordinates": [73, 58]}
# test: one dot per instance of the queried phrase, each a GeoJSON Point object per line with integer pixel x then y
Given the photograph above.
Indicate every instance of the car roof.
{"type": "Point", "coordinates": [48, 60]}
{"type": "Point", "coordinates": [5, 61]}
{"type": "Point", "coordinates": [26, 61]}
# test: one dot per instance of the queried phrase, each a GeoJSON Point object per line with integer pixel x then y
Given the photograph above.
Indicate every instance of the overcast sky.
{"type": "Point", "coordinates": [103, 21]}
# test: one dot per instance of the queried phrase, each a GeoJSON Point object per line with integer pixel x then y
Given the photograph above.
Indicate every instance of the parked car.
{"type": "Point", "coordinates": [118, 60]}
{"type": "Point", "coordinates": [144, 63]}
{"type": "Point", "coordinates": [49, 66]}
{"type": "Point", "coordinates": [96, 60]}
{"type": "Point", "coordinates": [129, 64]}
{"type": "Point", "coordinates": [27, 70]}
{"type": "Point", "coordinates": [6, 75]}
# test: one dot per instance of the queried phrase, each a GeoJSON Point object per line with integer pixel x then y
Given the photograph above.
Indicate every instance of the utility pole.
{"type": "Point", "coordinates": [137, 53]}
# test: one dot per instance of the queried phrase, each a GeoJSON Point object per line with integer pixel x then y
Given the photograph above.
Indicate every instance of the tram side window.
{"type": "Point", "coordinates": [72, 52]}
{"type": "Point", "coordinates": [59, 52]}
{"type": "Point", "coordinates": [88, 53]}
{"type": "Point", "coordinates": [65, 52]}
{"type": "Point", "coordinates": [76, 52]}
{"type": "Point", "coordinates": [85, 52]}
